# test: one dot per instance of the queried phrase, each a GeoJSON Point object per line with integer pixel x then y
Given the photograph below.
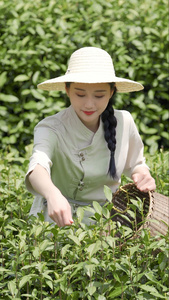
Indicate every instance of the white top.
{"type": "Point", "coordinates": [78, 159]}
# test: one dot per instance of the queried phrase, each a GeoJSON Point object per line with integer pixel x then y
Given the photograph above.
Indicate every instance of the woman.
{"type": "Point", "coordinates": [87, 145]}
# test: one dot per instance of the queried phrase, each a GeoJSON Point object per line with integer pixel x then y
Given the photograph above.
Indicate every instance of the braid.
{"type": "Point", "coordinates": [110, 123]}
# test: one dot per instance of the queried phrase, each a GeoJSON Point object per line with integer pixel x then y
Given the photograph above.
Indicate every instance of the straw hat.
{"type": "Point", "coordinates": [90, 65]}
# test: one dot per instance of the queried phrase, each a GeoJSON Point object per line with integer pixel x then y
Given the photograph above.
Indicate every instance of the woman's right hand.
{"type": "Point", "coordinates": [59, 209]}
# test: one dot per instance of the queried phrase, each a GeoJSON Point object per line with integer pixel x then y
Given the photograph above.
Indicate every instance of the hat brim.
{"type": "Point", "coordinates": [58, 84]}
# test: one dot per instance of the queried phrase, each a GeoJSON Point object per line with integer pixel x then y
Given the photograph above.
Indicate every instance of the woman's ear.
{"type": "Point", "coordinates": [111, 93]}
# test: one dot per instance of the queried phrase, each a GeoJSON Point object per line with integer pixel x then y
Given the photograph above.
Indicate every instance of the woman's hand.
{"type": "Point", "coordinates": [143, 180]}
{"type": "Point", "coordinates": [59, 209]}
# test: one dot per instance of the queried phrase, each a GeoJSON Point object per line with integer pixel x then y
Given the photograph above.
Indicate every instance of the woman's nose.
{"type": "Point", "coordinates": [89, 103]}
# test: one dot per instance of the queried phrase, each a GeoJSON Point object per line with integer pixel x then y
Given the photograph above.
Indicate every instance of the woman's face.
{"type": "Point", "coordinates": [89, 101]}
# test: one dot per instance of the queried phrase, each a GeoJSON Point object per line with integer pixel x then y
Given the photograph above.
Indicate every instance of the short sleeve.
{"type": "Point", "coordinates": [43, 150]}
{"type": "Point", "coordinates": [135, 156]}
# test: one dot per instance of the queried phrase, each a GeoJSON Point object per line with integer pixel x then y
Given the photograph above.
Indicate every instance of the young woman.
{"type": "Point", "coordinates": [87, 145]}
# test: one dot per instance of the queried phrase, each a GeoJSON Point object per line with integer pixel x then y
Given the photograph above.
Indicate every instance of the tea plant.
{"type": "Point", "coordinates": [106, 260]}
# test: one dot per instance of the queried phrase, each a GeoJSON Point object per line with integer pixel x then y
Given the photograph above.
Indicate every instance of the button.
{"type": "Point", "coordinates": [81, 154]}
{"type": "Point", "coordinates": [81, 183]}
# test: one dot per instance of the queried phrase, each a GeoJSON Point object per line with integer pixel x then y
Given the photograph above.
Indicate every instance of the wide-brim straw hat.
{"type": "Point", "coordinates": [90, 65]}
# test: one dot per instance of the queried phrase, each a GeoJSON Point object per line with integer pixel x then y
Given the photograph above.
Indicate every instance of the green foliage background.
{"type": "Point", "coordinates": [38, 37]}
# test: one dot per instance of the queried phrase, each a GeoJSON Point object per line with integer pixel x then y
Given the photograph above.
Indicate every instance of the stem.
{"type": "Point", "coordinates": [41, 297]}
{"type": "Point", "coordinates": [27, 290]}
{"type": "Point", "coordinates": [132, 279]}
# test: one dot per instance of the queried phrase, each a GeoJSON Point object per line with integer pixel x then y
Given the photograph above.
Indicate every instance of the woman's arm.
{"type": "Point", "coordinates": [59, 209]}
{"type": "Point", "coordinates": [143, 179]}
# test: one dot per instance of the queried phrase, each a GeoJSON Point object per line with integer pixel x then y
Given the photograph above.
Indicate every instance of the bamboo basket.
{"type": "Point", "coordinates": [155, 210]}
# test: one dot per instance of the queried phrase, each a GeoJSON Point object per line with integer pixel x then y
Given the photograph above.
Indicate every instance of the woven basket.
{"type": "Point", "coordinates": [155, 212]}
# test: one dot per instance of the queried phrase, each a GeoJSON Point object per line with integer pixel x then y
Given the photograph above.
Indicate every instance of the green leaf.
{"type": "Point", "coordinates": [37, 95]}
{"type": "Point", "coordinates": [12, 287]}
{"type": "Point", "coordinates": [80, 213]}
{"type": "Point", "coordinates": [97, 207]}
{"type": "Point", "coordinates": [134, 249]}
{"type": "Point", "coordinates": [108, 193]}
{"type": "Point", "coordinates": [131, 213]}
{"type": "Point", "coordinates": [74, 239]}
{"type": "Point", "coordinates": [3, 269]}
{"type": "Point", "coordinates": [30, 105]}
{"type": "Point", "coordinates": [165, 115]}
{"type": "Point", "coordinates": [24, 280]}
{"type": "Point", "coordinates": [89, 270]}
{"type": "Point", "coordinates": [21, 77]}
{"type": "Point", "coordinates": [145, 129]}
{"type": "Point", "coordinates": [165, 135]}
{"type": "Point", "coordinates": [35, 77]}
{"type": "Point", "coordinates": [101, 297]}
{"type": "Point", "coordinates": [50, 284]}
{"type": "Point", "coordinates": [117, 292]}
{"type": "Point", "coordinates": [82, 235]}
{"type": "Point", "coordinates": [8, 98]}
{"type": "Point", "coordinates": [38, 230]}
{"type": "Point", "coordinates": [153, 291]}
{"type": "Point", "coordinates": [64, 250]}
{"type": "Point", "coordinates": [93, 248]}
{"type": "Point", "coordinates": [111, 241]}
{"type": "Point", "coordinates": [91, 290]}
{"type": "Point", "coordinates": [45, 245]}
{"type": "Point", "coordinates": [3, 79]}
{"type": "Point", "coordinates": [154, 107]}
{"type": "Point", "coordinates": [40, 30]}
{"type": "Point", "coordinates": [106, 212]}
{"type": "Point", "coordinates": [36, 252]}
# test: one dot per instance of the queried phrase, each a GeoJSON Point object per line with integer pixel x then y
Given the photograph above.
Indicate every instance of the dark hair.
{"type": "Point", "coordinates": [109, 124]}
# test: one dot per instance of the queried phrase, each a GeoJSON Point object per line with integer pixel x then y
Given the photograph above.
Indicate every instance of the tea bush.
{"type": "Point", "coordinates": [42, 261]}
{"type": "Point", "coordinates": [38, 37]}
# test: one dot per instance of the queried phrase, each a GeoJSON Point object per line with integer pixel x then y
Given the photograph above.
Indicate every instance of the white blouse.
{"type": "Point", "coordinates": [78, 159]}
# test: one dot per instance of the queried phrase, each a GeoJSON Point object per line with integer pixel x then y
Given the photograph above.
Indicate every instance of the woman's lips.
{"type": "Point", "coordinates": [88, 112]}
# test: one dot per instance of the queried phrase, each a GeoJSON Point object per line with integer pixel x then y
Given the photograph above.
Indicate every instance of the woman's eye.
{"type": "Point", "coordinates": [80, 95]}
{"type": "Point", "coordinates": [99, 96]}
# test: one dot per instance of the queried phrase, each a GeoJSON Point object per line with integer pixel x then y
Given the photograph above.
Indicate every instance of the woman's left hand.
{"type": "Point", "coordinates": [143, 180]}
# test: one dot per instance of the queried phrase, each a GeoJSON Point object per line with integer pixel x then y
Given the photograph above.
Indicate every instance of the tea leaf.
{"type": "Point", "coordinates": [108, 193]}
{"type": "Point", "coordinates": [97, 207]}
{"type": "Point", "coordinates": [64, 250]}
{"type": "Point", "coordinates": [101, 297]}
{"type": "Point", "coordinates": [89, 270]}
{"type": "Point", "coordinates": [91, 290]}
{"type": "Point", "coordinates": [153, 291]}
{"type": "Point", "coordinates": [36, 252]}
{"type": "Point", "coordinates": [74, 239]}
{"type": "Point", "coordinates": [50, 284]}
{"type": "Point", "coordinates": [80, 213]}
{"type": "Point", "coordinates": [134, 249]}
{"type": "Point", "coordinates": [12, 288]}
{"type": "Point", "coordinates": [117, 292]}
{"type": "Point", "coordinates": [93, 248]}
{"type": "Point", "coordinates": [24, 280]}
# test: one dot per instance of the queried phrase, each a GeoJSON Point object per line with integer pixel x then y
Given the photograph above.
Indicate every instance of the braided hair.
{"type": "Point", "coordinates": [109, 125]}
